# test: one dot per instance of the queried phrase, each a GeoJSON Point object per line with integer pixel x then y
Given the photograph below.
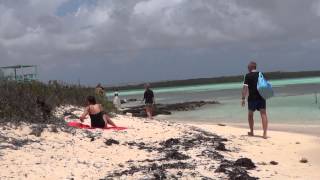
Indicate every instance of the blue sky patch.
{"type": "Point", "coordinates": [72, 6]}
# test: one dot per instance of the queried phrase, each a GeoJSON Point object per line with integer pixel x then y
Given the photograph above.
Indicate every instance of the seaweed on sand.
{"type": "Point", "coordinates": [13, 143]}
{"type": "Point", "coordinates": [176, 149]}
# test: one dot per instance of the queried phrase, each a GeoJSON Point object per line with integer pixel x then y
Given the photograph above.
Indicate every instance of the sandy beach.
{"type": "Point", "coordinates": [285, 148]}
{"type": "Point", "coordinates": [154, 149]}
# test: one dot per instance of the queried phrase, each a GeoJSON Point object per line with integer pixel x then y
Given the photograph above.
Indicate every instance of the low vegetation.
{"type": "Point", "coordinates": [34, 102]}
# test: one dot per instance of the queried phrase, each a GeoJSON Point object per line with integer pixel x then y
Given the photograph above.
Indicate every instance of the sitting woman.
{"type": "Point", "coordinates": [99, 119]}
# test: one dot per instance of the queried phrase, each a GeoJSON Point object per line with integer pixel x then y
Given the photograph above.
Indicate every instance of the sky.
{"type": "Point", "coordinates": [133, 41]}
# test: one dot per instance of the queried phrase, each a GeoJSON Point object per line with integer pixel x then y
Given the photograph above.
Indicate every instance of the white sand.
{"type": "Point", "coordinates": [285, 148]}
{"type": "Point", "coordinates": [66, 156]}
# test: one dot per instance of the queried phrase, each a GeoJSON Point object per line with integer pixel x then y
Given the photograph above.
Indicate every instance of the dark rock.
{"type": "Point", "coordinates": [159, 175]}
{"type": "Point", "coordinates": [240, 174]}
{"type": "Point", "coordinates": [223, 168]}
{"type": "Point", "coordinates": [37, 130]}
{"type": "Point", "coordinates": [166, 109]}
{"type": "Point", "coordinates": [245, 162]}
{"type": "Point", "coordinates": [233, 171]}
{"type": "Point", "coordinates": [110, 142]}
{"type": "Point", "coordinates": [176, 155]}
{"type": "Point", "coordinates": [142, 146]}
{"type": "Point", "coordinates": [304, 160]}
{"type": "Point", "coordinates": [21, 143]}
{"type": "Point", "coordinates": [178, 165]}
{"type": "Point", "coordinates": [173, 177]}
{"type": "Point", "coordinates": [54, 129]}
{"type": "Point", "coordinates": [212, 154]}
{"type": "Point", "coordinates": [170, 142]}
{"type": "Point", "coordinates": [221, 147]}
{"type": "Point", "coordinates": [91, 136]}
{"type": "Point", "coordinates": [274, 163]}
{"type": "Point", "coordinates": [132, 100]}
{"type": "Point", "coordinates": [206, 178]}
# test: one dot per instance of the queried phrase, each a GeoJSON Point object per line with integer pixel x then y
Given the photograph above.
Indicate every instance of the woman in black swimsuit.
{"type": "Point", "coordinates": [99, 119]}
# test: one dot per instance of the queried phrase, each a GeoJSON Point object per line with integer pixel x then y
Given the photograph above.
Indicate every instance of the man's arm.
{"type": "Point", "coordinates": [244, 95]}
{"type": "Point", "coordinates": [245, 90]}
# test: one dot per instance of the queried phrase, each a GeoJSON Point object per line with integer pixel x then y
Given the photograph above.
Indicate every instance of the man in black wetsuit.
{"type": "Point", "coordinates": [149, 100]}
{"type": "Point", "coordinates": [255, 101]}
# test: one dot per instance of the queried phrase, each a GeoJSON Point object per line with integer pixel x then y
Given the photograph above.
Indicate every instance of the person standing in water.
{"type": "Point", "coordinates": [148, 98]}
{"type": "Point", "coordinates": [255, 101]}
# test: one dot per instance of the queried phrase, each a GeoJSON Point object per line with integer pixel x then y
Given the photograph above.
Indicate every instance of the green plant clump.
{"type": "Point", "coordinates": [34, 101]}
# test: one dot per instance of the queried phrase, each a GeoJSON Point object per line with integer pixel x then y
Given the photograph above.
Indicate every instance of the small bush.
{"type": "Point", "coordinates": [34, 101]}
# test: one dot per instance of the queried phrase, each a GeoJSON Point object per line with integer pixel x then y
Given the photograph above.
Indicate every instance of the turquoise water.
{"type": "Point", "coordinates": [226, 86]}
{"type": "Point", "coordinates": [295, 101]}
{"type": "Point", "coordinates": [299, 109]}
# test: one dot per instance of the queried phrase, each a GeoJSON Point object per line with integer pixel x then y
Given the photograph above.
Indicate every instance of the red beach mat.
{"type": "Point", "coordinates": [84, 126]}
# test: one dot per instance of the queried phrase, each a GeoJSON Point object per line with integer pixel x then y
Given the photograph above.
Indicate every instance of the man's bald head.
{"type": "Point", "coordinates": [252, 66]}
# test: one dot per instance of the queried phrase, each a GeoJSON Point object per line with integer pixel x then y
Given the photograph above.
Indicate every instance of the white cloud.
{"type": "Point", "coordinates": [316, 7]}
{"type": "Point", "coordinates": [153, 23]}
{"type": "Point", "coordinates": [112, 31]}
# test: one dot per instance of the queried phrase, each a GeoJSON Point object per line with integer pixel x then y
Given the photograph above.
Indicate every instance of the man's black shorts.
{"type": "Point", "coordinates": [254, 105]}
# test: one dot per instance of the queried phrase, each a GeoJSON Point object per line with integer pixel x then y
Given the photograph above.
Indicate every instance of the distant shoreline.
{"type": "Point", "coordinates": [218, 80]}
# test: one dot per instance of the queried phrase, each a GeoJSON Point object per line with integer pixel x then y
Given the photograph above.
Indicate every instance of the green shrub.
{"type": "Point", "coordinates": [34, 101]}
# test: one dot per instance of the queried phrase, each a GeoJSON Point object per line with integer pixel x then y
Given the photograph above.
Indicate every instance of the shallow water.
{"type": "Point", "coordinates": [294, 103]}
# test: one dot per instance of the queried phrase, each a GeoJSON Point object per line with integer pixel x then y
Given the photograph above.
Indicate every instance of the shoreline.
{"type": "Point", "coordinates": [310, 129]}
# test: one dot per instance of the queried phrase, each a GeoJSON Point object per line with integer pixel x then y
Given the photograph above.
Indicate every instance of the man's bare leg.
{"type": "Point", "coordinates": [264, 119]}
{"type": "Point", "coordinates": [251, 122]}
{"type": "Point", "coordinates": [149, 112]}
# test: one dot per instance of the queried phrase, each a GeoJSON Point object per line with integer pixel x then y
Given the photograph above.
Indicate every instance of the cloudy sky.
{"type": "Point", "coordinates": [120, 41]}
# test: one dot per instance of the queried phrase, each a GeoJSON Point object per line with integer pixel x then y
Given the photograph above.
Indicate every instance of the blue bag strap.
{"type": "Point", "coordinates": [261, 75]}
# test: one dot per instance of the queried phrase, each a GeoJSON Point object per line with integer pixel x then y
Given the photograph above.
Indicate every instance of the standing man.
{"type": "Point", "coordinates": [100, 90]}
{"type": "Point", "coordinates": [255, 101]}
{"type": "Point", "coordinates": [149, 100]}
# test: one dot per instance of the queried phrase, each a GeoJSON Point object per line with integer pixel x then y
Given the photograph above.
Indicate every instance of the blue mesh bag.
{"type": "Point", "coordinates": [264, 87]}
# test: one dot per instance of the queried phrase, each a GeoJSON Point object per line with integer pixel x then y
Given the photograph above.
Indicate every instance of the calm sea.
{"type": "Point", "coordinates": [297, 101]}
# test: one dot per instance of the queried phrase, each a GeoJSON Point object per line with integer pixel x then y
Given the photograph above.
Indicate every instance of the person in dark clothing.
{"type": "Point", "coordinates": [149, 101]}
{"type": "Point", "coordinates": [255, 101]}
{"type": "Point", "coordinates": [99, 119]}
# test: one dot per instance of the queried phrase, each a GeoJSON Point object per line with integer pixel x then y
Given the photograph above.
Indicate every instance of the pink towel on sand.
{"type": "Point", "coordinates": [84, 126]}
